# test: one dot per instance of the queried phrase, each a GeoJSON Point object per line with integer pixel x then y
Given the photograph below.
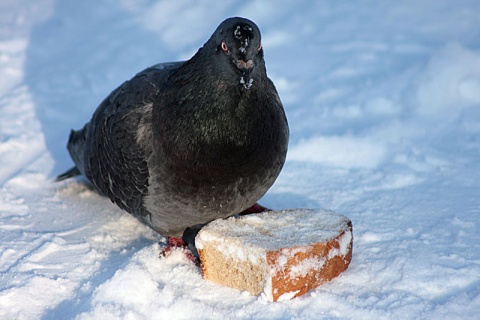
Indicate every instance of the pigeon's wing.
{"type": "Point", "coordinates": [112, 150]}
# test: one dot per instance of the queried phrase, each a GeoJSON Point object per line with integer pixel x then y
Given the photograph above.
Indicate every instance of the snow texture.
{"type": "Point", "coordinates": [383, 101]}
{"type": "Point", "coordinates": [272, 230]}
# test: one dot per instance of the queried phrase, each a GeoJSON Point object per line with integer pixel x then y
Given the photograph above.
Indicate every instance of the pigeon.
{"type": "Point", "coordinates": [184, 143]}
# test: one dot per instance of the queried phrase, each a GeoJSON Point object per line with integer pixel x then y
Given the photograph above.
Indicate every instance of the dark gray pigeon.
{"type": "Point", "coordinates": [184, 143]}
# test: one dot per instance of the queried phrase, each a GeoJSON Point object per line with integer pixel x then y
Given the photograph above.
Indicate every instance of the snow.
{"type": "Point", "coordinates": [383, 103]}
{"type": "Point", "coordinates": [273, 230]}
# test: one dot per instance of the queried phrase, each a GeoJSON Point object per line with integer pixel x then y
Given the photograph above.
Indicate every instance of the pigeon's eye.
{"type": "Point", "coordinates": [224, 47]}
{"type": "Point", "coordinates": [259, 47]}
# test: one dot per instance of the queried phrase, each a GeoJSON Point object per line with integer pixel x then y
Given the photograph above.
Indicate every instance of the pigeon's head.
{"type": "Point", "coordinates": [238, 45]}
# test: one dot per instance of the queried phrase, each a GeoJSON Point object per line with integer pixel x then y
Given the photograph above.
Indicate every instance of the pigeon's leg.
{"type": "Point", "coordinates": [256, 208]}
{"type": "Point", "coordinates": [187, 242]}
{"type": "Point", "coordinates": [178, 243]}
{"type": "Point", "coordinates": [173, 242]}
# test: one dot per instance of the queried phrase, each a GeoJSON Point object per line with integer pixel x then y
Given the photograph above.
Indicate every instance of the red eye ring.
{"type": "Point", "coordinates": [224, 47]}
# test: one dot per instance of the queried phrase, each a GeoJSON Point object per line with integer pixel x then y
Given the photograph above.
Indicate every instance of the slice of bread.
{"type": "Point", "coordinates": [278, 254]}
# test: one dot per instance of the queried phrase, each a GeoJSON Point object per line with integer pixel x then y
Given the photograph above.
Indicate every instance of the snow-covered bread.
{"type": "Point", "coordinates": [279, 254]}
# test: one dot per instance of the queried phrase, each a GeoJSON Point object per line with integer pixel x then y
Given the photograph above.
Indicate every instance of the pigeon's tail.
{"type": "Point", "coordinates": [68, 174]}
{"type": "Point", "coordinates": [75, 147]}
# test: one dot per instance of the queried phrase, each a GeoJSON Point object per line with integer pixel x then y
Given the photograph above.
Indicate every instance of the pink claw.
{"type": "Point", "coordinates": [256, 208]}
{"type": "Point", "coordinates": [178, 243]}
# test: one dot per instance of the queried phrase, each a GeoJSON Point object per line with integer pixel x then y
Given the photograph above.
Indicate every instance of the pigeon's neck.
{"type": "Point", "coordinates": [208, 101]}
{"type": "Point", "coordinates": [209, 67]}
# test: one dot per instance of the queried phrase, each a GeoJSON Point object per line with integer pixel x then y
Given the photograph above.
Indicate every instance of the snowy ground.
{"type": "Point", "coordinates": [383, 100]}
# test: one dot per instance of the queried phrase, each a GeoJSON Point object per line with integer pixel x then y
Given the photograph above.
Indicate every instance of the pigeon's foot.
{"type": "Point", "coordinates": [175, 243]}
{"type": "Point", "coordinates": [187, 242]}
{"type": "Point", "coordinates": [256, 208]}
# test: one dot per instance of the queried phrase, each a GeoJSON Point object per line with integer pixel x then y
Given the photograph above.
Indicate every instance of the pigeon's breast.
{"type": "Point", "coordinates": [214, 157]}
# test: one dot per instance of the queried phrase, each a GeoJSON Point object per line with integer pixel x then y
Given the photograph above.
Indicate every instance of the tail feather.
{"type": "Point", "coordinates": [75, 147]}
{"type": "Point", "coordinates": [68, 174]}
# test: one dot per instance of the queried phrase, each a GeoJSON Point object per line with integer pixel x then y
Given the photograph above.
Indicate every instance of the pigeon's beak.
{"type": "Point", "coordinates": [244, 66]}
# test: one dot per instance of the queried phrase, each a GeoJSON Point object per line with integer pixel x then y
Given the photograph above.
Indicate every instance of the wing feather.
{"type": "Point", "coordinates": [108, 151]}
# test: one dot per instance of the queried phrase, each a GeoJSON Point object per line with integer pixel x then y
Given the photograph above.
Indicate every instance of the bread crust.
{"type": "Point", "coordinates": [277, 274]}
